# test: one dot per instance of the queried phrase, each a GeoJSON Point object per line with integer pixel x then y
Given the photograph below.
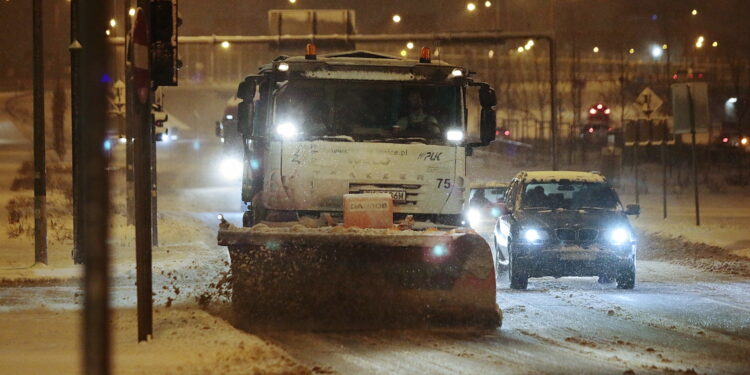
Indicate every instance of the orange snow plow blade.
{"type": "Point", "coordinates": [337, 278]}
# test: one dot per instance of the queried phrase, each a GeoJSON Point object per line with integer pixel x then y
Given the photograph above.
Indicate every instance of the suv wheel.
{"type": "Point", "coordinates": [626, 276]}
{"type": "Point", "coordinates": [518, 277]}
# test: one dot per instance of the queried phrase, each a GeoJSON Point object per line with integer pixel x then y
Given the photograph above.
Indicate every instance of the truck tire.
{"type": "Point", "coordinates": [626, 276]}
{"type": "Point", "coordinates": [518, 277]}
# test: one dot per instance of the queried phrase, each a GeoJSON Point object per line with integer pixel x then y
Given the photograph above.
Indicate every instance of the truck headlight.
{"type": "Point", "coordinates": [474, 216]}
{"type": "Point", "coordinates": [619, 236]}
{"type": "Point", "coordinates": [287, 130]}
{"type": "Point", "coordinates": [231, 169]}
{"type": "Point", "coordinates": [454, 135]}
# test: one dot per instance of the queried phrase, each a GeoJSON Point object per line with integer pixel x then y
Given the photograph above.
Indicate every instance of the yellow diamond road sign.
{"type": "Point", "coordinates": [648, 102]}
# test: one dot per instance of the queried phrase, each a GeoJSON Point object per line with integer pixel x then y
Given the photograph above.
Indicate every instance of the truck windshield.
{"type": "Point", "coordinates": [369, 111]}
{"type": "Point", "coordinates": [569, 195]}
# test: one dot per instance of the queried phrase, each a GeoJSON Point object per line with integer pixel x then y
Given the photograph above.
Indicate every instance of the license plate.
{"type": "Point", "coordinates": [398, 195]}
{"type": "Point", "coordinates": [576, 255]}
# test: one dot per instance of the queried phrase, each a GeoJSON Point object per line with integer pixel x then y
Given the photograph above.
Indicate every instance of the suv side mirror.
{"type": "Point", "coordinates": [633, 209]}
{"type": "Point", "coordinates": [219, 129]}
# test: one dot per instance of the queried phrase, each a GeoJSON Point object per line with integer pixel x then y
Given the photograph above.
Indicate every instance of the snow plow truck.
{"type": "Point", "coordinates": [354, 180]}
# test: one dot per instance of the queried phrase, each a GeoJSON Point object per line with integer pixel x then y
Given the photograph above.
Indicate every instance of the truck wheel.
{"type": "Point", "coordinates": [518, 277]}
{"type": "Point", "coordinates": [626, 276]}
{"type": "Point", "coordinates": [248, 218]}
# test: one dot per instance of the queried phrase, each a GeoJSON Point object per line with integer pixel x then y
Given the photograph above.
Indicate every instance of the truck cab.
{"type": "Point", "coordinates": [315, 128]}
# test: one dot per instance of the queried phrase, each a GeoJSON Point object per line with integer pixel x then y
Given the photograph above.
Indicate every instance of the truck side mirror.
{"type": "Point", "coordinates": [219, 129]}
{"type": "Point", "coordinates": [246, 89]}
{"type": "Point", "coordinates": [487, 125]}
{"type": "Point", "coordinates": [245, 118]}
{"type": "Point", "coordinates": [633, 209]}
{"type": "Point", "coordinates": [487, 97]}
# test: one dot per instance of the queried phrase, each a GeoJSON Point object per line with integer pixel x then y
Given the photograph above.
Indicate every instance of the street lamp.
{"type": "Point", "coordinates": [131, 12]}
{"type": "Point", "coordinates": [292, 1]}
{"type": "Point", "coordinates": [396, 18]}
{"type": "Point", "coordinates": [694, 12]}
{"type": "Point", "coordinates": [487, 4]}
{"type": "Point", "coordinates": [471, 7]}
{"type": "Point", "coordinates": [715, 44]}
{"type": "Point", "coordinates": [112, 22]}
{"type": "Point", "coordinates": [596, 49]}
{"type": "Point", "coordinates": [699, 42]}
{"type": "Point", "coordinates": [225, 44]}
{"type": "Point", "coordinates": [631, 51]}
{"type": "Point", "coordinates": [656, 51]}
{"type": "Point", "coordinates": [410, 45]}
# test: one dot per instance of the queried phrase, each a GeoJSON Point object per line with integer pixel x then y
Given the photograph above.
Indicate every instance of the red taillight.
{"type": "Point", "coordinates": [591, 130]}
{"type": "Point", "coordinates": [310, 52]}
{"type": "Point", "coordinates": [725, 139]}
{"type": "Point", "coordinates": [507, 133]}
{"type": "Point", "coordinates": [674, 76]}
{"type": "Point", "coordinates": [425, 55]}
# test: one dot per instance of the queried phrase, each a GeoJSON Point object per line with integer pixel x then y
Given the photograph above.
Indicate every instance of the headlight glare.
{"type": "Point", "coordinates": [454, 135]}
{"type": "Point", "coordinates": [231, 169]}
{"type": "Point", "coordinates": [287, 130]}
{"type": "Point", "coordinates": [474, 216]}
{"type": "Point", "coordinates": [619, 236]}
{"type": "Point", "coordinates": [532, 235]}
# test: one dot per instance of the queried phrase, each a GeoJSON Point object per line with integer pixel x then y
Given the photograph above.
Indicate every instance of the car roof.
{"type": "Point", "coordinates": [552, 176]}
{"type": "Point", "coordinates": [488, 184]}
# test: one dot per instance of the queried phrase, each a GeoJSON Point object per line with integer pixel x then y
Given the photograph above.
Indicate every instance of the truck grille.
{"type": "Point", "coordinates": [565, 234]}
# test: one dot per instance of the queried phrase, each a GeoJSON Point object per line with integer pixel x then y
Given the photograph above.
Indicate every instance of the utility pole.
{"type": "Point", "coordinates": [143, 138]}
{"type": "Point", "coordinates": [75, 114]}
{"type": "Point", "coordinates": [129, 120]}
{"type": "Point", "coordinates": [40, 168]}
{"type": "Point", "coordinates": [92, 17]}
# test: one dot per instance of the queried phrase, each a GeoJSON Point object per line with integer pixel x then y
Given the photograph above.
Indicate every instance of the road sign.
{"type": "Point", "coordinates": [117, 98]}
{"type": "Point", "coordinates": [682, 95]}
{"type": "Point", "coordinates": [648, 102]}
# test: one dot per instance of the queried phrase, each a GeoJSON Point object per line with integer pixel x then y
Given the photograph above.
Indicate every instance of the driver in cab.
{"type": "Point", "coordinates": [417, 123]}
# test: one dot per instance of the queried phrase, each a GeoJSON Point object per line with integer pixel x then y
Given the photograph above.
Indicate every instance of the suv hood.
{"type": "Point", "coordinates": [553, 219]}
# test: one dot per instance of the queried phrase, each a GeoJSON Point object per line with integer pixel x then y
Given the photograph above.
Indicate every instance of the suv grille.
{"type": "Point", "coordinates": [564, 234]}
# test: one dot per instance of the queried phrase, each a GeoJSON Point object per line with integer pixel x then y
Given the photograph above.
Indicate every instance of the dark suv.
{"type": "Point", "coordinates": [565, 224]}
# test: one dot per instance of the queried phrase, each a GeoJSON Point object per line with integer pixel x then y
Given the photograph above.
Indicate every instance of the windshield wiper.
{"type": "Point", "coordinates": [333, 138]}
{"type": "Point", "coordinates": [399, 140]}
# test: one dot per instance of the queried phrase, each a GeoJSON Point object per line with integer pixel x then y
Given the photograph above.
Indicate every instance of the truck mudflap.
{"type": "Point", "coordinates": [339, 278]}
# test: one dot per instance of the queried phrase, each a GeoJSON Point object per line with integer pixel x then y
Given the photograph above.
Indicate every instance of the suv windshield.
{"type": "Point", "coordinates": [569, 195]}
{"type": "Point", "coordinates": [369, 111]}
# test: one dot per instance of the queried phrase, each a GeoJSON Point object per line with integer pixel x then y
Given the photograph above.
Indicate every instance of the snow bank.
{"type": "Point", "coordinates": [186, 341]}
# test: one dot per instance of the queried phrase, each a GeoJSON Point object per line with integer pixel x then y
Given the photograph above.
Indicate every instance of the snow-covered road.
{"type": "Point", "coordinates": [677, 319]}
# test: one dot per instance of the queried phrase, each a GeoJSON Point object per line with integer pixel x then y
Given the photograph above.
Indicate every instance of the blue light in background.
{"type": "Point", "coordinates": [107, 145]}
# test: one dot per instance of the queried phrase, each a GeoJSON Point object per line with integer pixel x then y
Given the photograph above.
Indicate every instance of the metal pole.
{"type": "Point", "coordinates": [553, 99]}
{"type": "Point", "coordinates": [94, 185]}
{"type": "Point", "coordinates": [40, 169]}
{"type": "Point", "coordinates": [695, 158]}
{"type": "Point", "coordinates": [75, 121]}
{"type": "Point", "coordinates": [664, 168]}
{"type": "Point", "coordinates": [142, 174]}
{"type": "Point", "coordinates": [129, 120]}
{"type": "Point", "coordinates": [635, 158]}
{"type": "Point", "coordinates": [154, 217]}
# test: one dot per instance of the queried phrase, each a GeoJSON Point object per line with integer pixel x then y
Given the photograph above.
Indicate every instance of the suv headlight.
{"type": "Point", "coordinates": [619, 236]}
{"type": "Point", "coordinates": [533, 235]}
{"type": "Point", "coordinates": [474, 216]}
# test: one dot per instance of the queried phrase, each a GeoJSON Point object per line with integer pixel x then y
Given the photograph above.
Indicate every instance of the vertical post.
{"type": "Point", "coordinates": [129, 120]}
{"type": "Point", "coordinates": [553, 99]}
{"type": "Point", "coordinates": [40, 168]}
{"type": "Point", "coordinates": [76, 130]}
{"type": "Point", "coordinates": [695, 158]}
{"type": "Point", "coordinates": [635, 159]}
{"type": "Point", "coordinates": [94, 184]}
{"type": "Point", "coordinates": [664, 167]}
{"type": "Point", "coordinates": [143, 134]}
{"type": "Point", "coordinates": [154, 216]}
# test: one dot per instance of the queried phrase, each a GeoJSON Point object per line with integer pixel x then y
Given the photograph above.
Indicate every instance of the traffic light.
{"type": "Point", "coordinates": [163, 34]}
